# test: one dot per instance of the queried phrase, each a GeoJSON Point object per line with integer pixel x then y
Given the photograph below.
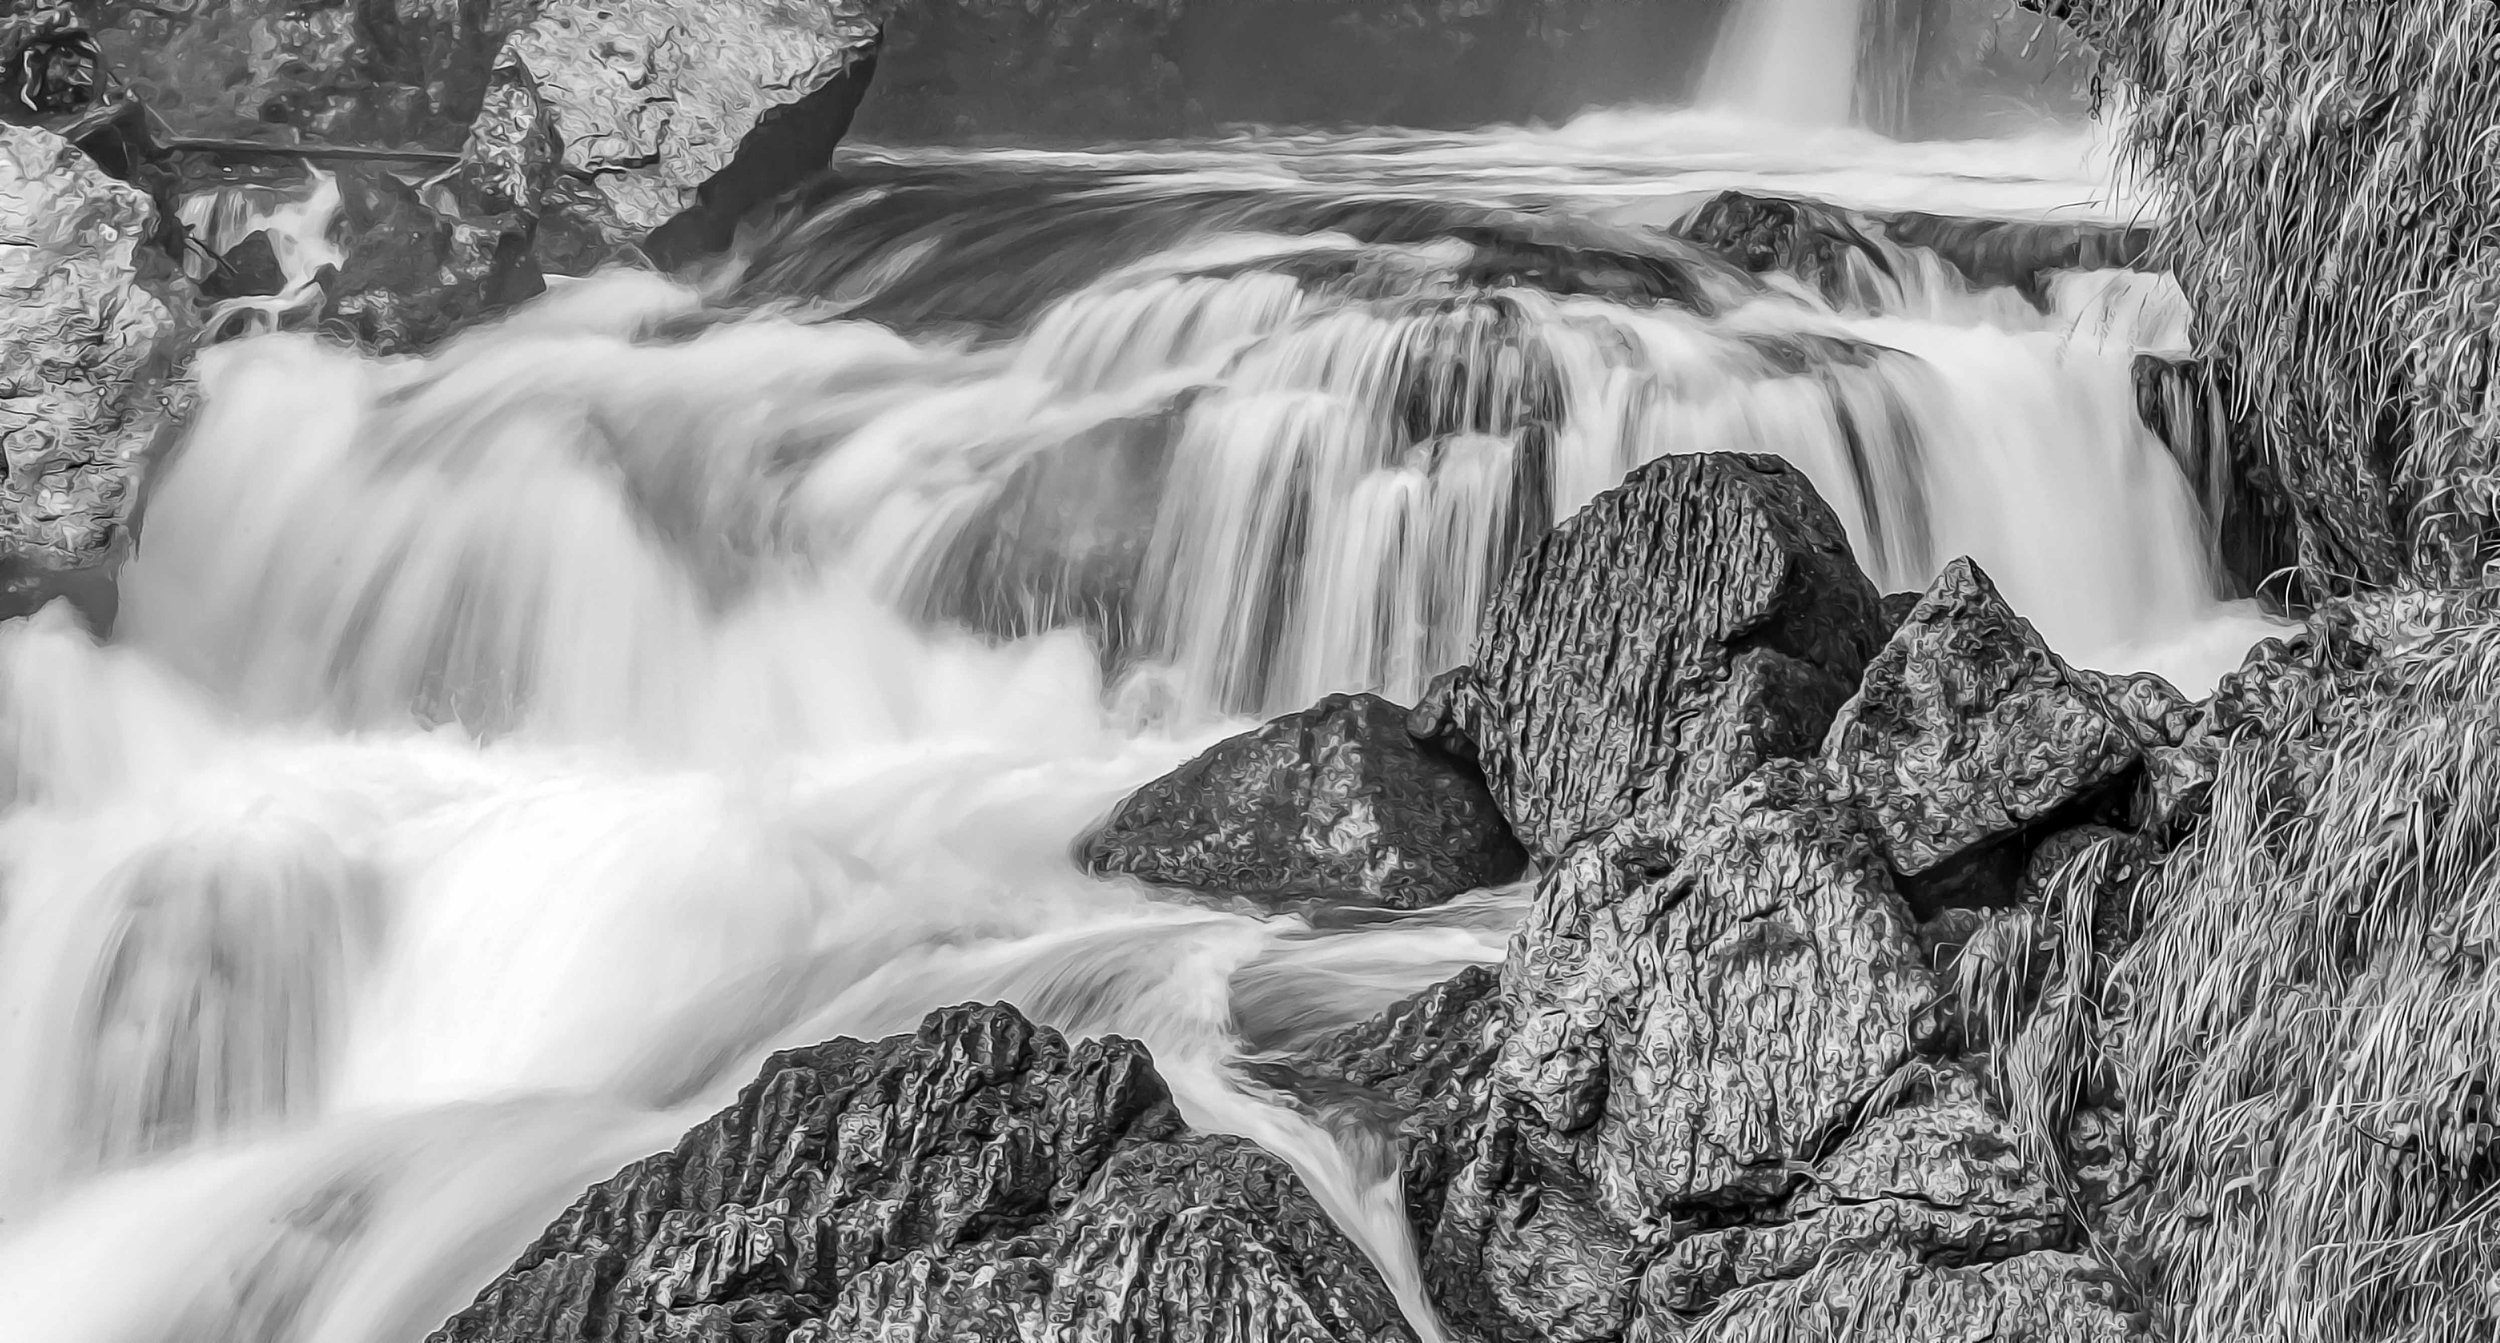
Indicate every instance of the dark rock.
{"type": "Point", "coordinates": [2190, 405]}
{"type": "Point", "coordinates": [1895, 608]}
{"type": "Point", "coordinates": [1966, 729]}
{"type": "Point", "coordinates": [1336, 802]}
{"type": "Point", "coordinates": [246, 269]}
{"type": "Point", "coordinates": [2021, 254]}
{"type": "Point", "coordinates": [1696, 620]}
{"type": "Point", "coordinates": [1686, 1036]}
{"type": "Point", "coordinates": [88, 351]}
{"type": "Point", "coordinates": [1423, 1061]}
{"type": "Point", "coordinates": [980, 1179]}
{"type": "Point", "coordinates": [1821, 245]}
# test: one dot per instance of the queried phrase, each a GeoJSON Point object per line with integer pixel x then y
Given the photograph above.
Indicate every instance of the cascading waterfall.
{"type": "Point", "coordinates": [1792, 61]}
{"type": "Point", "coordinates": [500, 752]}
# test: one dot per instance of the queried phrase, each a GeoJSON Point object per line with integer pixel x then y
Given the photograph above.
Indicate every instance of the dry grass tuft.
{"type": "Point", "coordinates": [2310, 1022]}
{"type": "Point", "coordinates": [2333, 175]}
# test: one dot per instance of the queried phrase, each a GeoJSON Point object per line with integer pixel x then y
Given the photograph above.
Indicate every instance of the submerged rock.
{"type": "Point", "coordinates": [1652, 649]}
{"type": "Point", "coordinates": [2022, 254]}
{"type": "Point", "coordinates": [87, 351]}
{"type": "Point", "coordinates": [1967, 729]}
{"type": "Point", "coordinates": [1336, 802]}
{"type": "Point", "coordinates": [982, 1178]}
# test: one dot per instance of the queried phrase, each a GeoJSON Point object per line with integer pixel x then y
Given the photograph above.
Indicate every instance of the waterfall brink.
{"type": "Point", "coordinates": [1793, 61]}
{"type": "Point", "coordinates": [500, 752]}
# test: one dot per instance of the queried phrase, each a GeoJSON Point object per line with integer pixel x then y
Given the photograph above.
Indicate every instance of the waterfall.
{"type": "Point", "coordinates": [1793, 61]}
{"type": "Point", "coordinates": [500, 752]}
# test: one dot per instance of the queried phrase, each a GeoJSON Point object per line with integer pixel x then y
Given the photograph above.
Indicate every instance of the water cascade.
{"type": "Point", "coordinates": [499, 752]}
{"type": "Point", "coordinates": [1793, 61]}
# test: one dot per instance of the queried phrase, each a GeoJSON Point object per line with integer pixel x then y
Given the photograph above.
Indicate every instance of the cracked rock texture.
{"type": "Point", "coordinates": [1654, 647]}
{"type": "Point", "coordinates": [650, 100]}
{"type": "Point", "coordinates": [1967, 728]}
{"type": "Point", "coordinates": [87, 351]}
{"type": "Point", "coordinates": [982, 1178]}
{"type": "Point", "coordinates": [1685, 1033]}
{"type": "Point", "coordinates": [1336, 802]}
{"type": "Point", "coordinates": [1423, 1063]}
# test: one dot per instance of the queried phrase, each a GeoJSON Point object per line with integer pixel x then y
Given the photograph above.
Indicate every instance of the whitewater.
{"type": "Point", "coordinates": [497, 753]}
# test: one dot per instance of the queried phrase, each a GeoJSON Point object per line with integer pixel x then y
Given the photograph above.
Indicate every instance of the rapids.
{"type": "Point", "coordinates": [497, 753]}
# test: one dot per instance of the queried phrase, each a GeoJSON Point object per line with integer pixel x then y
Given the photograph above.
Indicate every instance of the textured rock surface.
{"type": "Point", "coordinates": [2021, 253]}
{"type": "Point", "coordinates": [980, 1179]}
{"type": "Point", "coordinates": [1820, 244]}
{"type": "Point", "coordinates": [1700, 618]}
{"type": "Point", "coordinates": [1685, 1033]}
{"type": "Point", "coordinates": [86, 350]}
{"type": "Point", "coordinates": [650, 100]}
{"type": "Point", "coordinates": [1335, 802]}
{"type": "Point", "coordinates": [1893, 1297]}
{"type": "Point", "coordinates": [1424, 1062]}
{"type": "Point", "coordinates": [1967, 728]}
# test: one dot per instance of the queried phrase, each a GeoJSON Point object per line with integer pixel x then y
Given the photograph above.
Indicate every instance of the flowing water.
{"type": "Point", "coordinates": [1790, 61]}
{"type": "Point", "coordinates": [498, 753]}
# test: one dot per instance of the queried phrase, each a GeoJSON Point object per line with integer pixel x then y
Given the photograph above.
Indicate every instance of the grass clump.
{"type": "Point", "coordinates": [2332, 174]}
{"type": "Point", "coordinates": [2309, 1023]}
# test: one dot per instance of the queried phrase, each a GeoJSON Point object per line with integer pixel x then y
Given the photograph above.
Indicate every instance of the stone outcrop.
{"type": "Point", "coordinates": [2021, 254]}
{"type": "Point", "coordinates": [982, 1178]}
{"type": "Point", "coordinates": [87, 350]}
{"type": "Point", "coordinates": [2192, 407]}
{"type": "Point", "coordinates": [1967, 729]}
{"type": "Point", "coordinates": [1822, 245]}
{"type": "Point", "coordinates": [1421, 1065]}
{"type": "Point", "coordinates": [1692, 1019]}
{"type": "Point", "coordinates": [1698, 619]}
{"type": "Point", "coordinates": [660, 109]}
{"type": "Point", "coordinates": [1334, 803]}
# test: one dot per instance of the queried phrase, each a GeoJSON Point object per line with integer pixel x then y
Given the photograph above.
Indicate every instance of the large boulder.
{"type": "Point", "coordinates": [666, 114]}
{"type": "Point", "coordinates": [87, 352]}
{"type": "Point", "coordinates": [1691, 1020]}
{"type": "Point", "coordinates": [1968, 729]}
{"type": "Point", "coordinates": [1700, 618]}
{"type": "Point", "coordinates": [982, 1178]}
{"type": "Point", "coordinates": [1822, 245]}
{"type": "Point", "coordinates": [1336, 802]}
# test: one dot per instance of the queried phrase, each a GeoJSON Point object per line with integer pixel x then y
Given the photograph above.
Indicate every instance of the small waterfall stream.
{"type": "Point", "coordinates": [500, 752]}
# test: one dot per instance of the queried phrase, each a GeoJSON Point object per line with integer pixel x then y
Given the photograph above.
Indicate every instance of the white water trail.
{"type": "Point", "coordinates": [1793, 61]}
{"type": "Point", "coordinates": [501, 752]}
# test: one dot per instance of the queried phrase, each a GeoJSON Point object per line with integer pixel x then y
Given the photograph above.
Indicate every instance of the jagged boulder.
{"type": "Point", "coordinates": [87, 351]}
{"type": "Point", "coordinates": [1700, 618]}
{"type": "Point", "coordinates": [1691, 1020]}
{"type": "Point", "coordinates": [1422, 1065]}
{"type": "Point", "coordinates": [1968, 729]}
{"type": "Point", "coordinates": [672, 115]}
{"type": "Point", "coordinates": [982, 1178]}
{"type": "Point", "coordinates": [1336, 802]}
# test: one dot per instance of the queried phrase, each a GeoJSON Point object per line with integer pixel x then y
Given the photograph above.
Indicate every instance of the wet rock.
{"type": "Point", "coordinates": [2022, 254]}
{"type": "Point", "coordinates": [1336, 802]}
{"type": "Point", "coordinates": [663, 109]}
{"type": "Point", "coordinates": [88, 346]}
{"type": "Point", "coordinates": [2191, 406]}
{"type": "Point", "coordinates": [982, 1178]}
{"type": "Point", "coordinates": [1821, 245]}
{"type": "Point", "coordinates": [248, 269]}
{"type": "Point", "coordinates": [1691, 1023]}
{"type": "Point", "coordinates": [1939, 1178]}
{"type": "Point", "coordinates": [1423, 1062]}
{"type": "Point", "coordinates": [1967, 729]}
{"type": "Point", "coordinates": [1694, 621]}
